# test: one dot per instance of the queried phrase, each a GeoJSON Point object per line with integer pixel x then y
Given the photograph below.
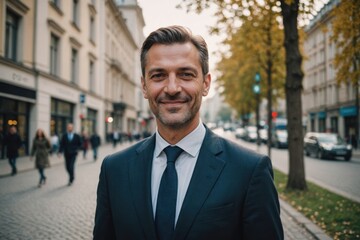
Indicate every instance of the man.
{"type": "Point", "coordinates": [12, 141]}
{"type": "Point", "coordinates": [219, 190]}
{"type": "Point", "coordinates": [95, 142]}
{"type": "Point", "coordinates": [116, 137]}
{"type": "Point", "coordinates": [70, 144]}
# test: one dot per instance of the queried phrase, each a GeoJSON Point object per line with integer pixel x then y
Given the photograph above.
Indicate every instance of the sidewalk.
{"type": "Point", "coordinates": [296, 226]}
{"type": "Point", "coordinates": [356, 153]}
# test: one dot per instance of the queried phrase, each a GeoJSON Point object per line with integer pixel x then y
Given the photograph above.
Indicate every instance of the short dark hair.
{"type": "Point", "coordinates": [175, 34]}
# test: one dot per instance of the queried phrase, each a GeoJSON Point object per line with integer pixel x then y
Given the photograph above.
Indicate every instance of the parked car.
{"type": "Point", "coordinates": [251, 134]}
{"type": "Point", "coordinates": [240, 133]}
{"type": "Point", "coordinates": [326, 145]}
{"type": "Point", "coordinates": [280, 138]}
{"type": "Point", "coordinates": [279, 134]}
{"type": "Point", "coordinates": [263, 135]}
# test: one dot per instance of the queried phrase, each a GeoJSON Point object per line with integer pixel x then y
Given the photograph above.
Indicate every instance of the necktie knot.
{"type": "Point", "coordinates": [172, 153]}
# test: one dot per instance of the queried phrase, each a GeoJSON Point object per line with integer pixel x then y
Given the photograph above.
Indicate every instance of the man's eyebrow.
{"type": "Point", "coordinates": [155, 70]}
{"type": "Point", "coordinates": [188, 69]}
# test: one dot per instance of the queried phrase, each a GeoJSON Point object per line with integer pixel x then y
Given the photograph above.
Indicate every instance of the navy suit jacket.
{"type": "Point", "coordinates": [70, 148]}
{"type": "Point", "coordinates": [231, 195]}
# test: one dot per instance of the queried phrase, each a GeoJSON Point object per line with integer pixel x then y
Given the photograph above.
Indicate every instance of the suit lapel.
{"type": "Point", "coordinates": [207, 170]}
{"type": "Point", "coordinates": [140, 180]}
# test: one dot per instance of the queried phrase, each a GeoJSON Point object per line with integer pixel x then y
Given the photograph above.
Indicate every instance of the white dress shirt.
{"type": "Point", "coordinates": [184, 165]}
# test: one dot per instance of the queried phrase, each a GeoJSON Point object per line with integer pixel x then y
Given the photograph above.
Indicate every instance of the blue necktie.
{"type": "Point", "coordinates": [166, 201]}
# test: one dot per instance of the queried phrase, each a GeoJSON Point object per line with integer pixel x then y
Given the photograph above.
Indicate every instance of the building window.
{"type": "Point", "coordinates": [76, 12]}
{"type": "Point", "coordinates": [56, 3]}
{"type": "Point", "coordinates": [54, 54]}
{"type": "Point", "coordinates": [92, 76]}
{"type": "Point", "coordinates": [11, 35]}
{"type": "Point", "coordinates": [74, 64]}
{"type": "Point", "coordinates": [92, 29]}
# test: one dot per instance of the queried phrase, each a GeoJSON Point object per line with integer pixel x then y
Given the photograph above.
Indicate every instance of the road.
{"type": "Point", "coordinates": [338, 176]}
{"type": "Point", "coordinates": [57, 211]}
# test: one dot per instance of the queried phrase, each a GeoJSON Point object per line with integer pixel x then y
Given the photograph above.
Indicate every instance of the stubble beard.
{"type": "Point", "coordinates": [176, 122]}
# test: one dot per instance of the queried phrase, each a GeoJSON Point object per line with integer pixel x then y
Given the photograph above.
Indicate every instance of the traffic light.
{"type": "Point", "coordinates": [274, 114]}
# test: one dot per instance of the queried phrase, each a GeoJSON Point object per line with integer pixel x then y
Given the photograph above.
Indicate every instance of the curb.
{"type": "Point", "coordinates": [301, 220]}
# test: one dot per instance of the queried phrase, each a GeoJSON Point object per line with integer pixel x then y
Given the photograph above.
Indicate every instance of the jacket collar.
{"type": "Point", "coordinates": [207, 170]}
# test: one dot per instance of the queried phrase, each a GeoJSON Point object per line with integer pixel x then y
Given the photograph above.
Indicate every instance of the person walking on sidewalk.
{"type": "Point", "coordinates": [12, 142]}
{"type": "Point", "coordinates": [54, 143]}
{"type": "Point", "coordinates": [69, 145]}
{"type": "Point", "coordinates": [85, 143]}
{"type": "Point", "coordinates": [115, 137]}
{"type": "Point", "coordinates": [95, 142]}
{"type": "Point", "coordinates": [184, 182]}
{"type": "Point", "coordinates": [40, 149]}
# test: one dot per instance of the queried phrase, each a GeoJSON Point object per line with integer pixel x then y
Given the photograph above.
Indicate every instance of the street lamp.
{"type": "Point", "coordinates": [256, 89]}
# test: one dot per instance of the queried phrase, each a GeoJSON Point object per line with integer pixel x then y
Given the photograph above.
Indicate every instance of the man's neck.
{"type": "Point", "coordinates": [174, 135]}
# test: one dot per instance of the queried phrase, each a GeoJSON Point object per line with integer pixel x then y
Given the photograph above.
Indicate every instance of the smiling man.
{"type": "Point", "coordinates": [184, 182]}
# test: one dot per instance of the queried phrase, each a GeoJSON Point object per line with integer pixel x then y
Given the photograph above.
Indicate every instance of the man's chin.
{"type": "Point", "coordinates": [174, 121]}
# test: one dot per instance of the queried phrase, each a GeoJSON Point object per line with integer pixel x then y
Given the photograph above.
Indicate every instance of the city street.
{"type": "Point", "coordinates": [54, 211]}
{"type": "Point", "coordinates": [335, 175]}
{"type": "Point", "coordinates": [57, 211]}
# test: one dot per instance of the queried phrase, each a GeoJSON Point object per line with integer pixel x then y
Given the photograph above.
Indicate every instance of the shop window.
{"type": "Point", "coordinates": [64, 109]}
{"type": "Point", "coordinates": [61, 115]}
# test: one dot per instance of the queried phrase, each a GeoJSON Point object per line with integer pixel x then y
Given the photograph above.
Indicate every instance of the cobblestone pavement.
{"type": "Point", "coordinates": [56, 211]}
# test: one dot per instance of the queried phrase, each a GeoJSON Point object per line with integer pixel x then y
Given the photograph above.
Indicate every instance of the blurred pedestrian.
{"type": "Point", "coordinates": [40, 149]}
{"type": "Point", "coordinates": [116, 137]}
{"type": "Point", "coordinates": [12, 142]}
{"type": "Point", "coordinates": [54, 143]}
{"type": "Point", "coordinates": [85, 143]}
{"type": "Point", "coordinates": [69, 145]}
{"type": "Point", "coordinates": [95, 142]}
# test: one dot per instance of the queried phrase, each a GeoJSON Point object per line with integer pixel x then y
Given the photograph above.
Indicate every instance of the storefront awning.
{"type": "Point", "coordinates": [348, 111]}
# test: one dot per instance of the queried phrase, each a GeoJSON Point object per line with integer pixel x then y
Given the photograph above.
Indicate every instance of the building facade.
{"type": "Point", "coordinates": [65, 61]}
{"type": "Point", "coordinates": [134, 19]}
{"type": "Point", "coordinates": [329, 107]}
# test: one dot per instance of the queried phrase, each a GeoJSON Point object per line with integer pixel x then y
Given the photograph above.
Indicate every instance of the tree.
{"type": "Point", "coordinates": [346, 35]}
{"type": "Point", "coordinates": [264, 53]}
{"type": "Point", "coordinates": [230, 13]}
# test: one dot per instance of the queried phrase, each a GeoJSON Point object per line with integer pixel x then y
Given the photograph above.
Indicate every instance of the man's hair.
{"type": "Point", "coordinates": [171, 35]}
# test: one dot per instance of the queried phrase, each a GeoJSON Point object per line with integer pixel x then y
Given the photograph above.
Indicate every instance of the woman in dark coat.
{"type": "Point", "coordinates": [40, 149]}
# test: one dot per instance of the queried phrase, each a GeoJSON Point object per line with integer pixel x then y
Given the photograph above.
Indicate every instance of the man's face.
{"type": "Point", "coordinates": [12, 130]}
{"type": "Point", "coordinates": [174, 84]}
{"type": "Point", "coordinates": [70, 128]}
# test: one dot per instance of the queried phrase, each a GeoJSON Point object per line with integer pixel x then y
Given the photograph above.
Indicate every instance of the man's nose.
{"type": "Point", "coordinates": [172, 86]}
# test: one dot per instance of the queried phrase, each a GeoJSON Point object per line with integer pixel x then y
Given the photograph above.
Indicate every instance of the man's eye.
{"type": "Point", "coordinates": [187, 75]}
{"type": "Point", "coordinates": [157, 76]}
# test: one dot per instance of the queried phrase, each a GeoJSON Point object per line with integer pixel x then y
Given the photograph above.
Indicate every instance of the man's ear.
{"type": "Point", "coordinates": [144, 89]}
{"type": "Point", "coordinates": [207, 83]}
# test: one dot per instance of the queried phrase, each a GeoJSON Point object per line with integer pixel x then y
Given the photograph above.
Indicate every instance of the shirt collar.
{"type": "Point", "coordinates": [191, 143]}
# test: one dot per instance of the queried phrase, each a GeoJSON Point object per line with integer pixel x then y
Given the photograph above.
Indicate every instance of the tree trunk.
{"type": "Point", "coordinates": [293, 88]}
{"type": "Point", "coordinates": [269, 98]}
